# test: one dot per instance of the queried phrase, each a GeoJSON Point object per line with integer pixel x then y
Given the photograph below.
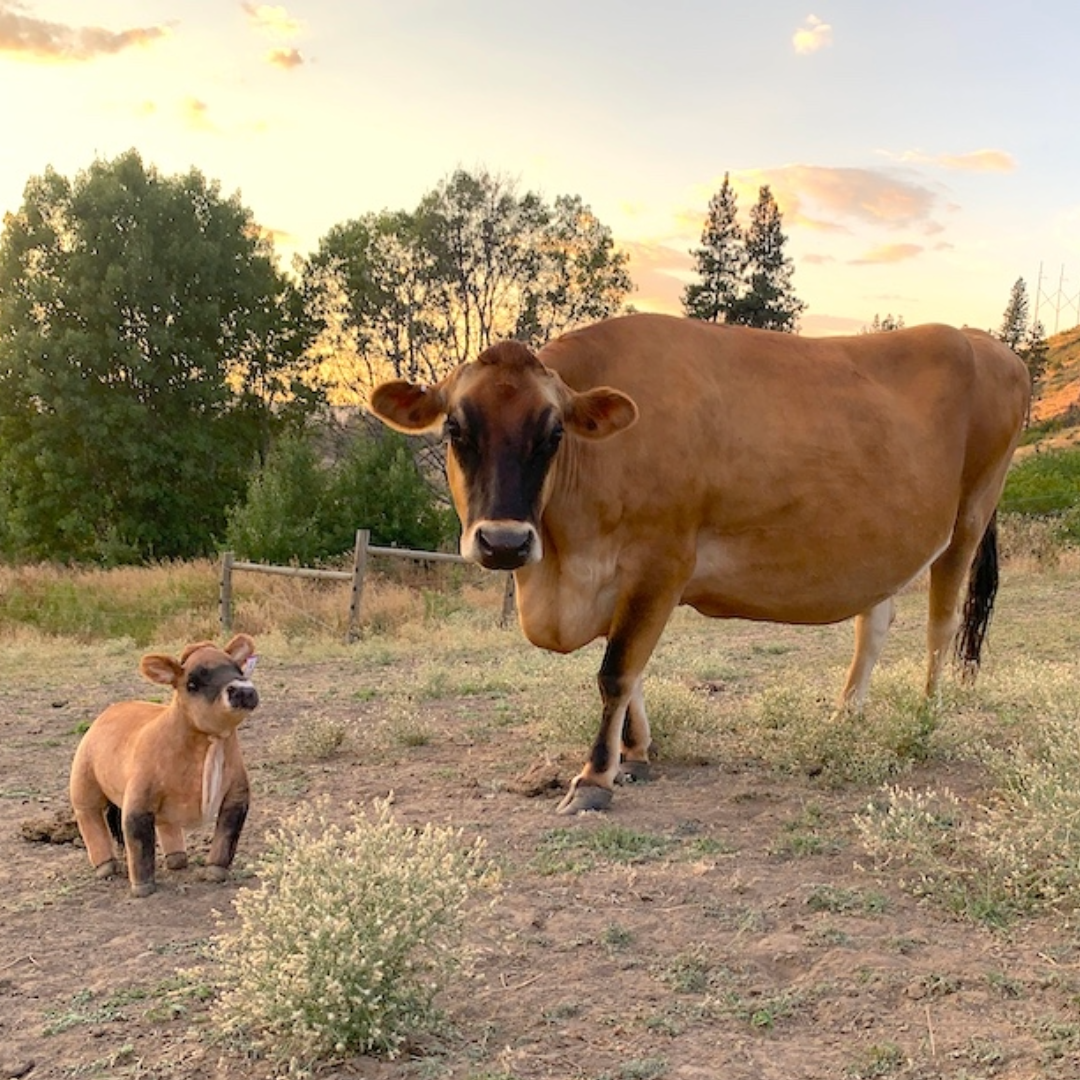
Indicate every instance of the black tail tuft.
{"type": "Point", "coordinates": [113, 820]}
{"type": "Point", "coordinates": [979, 605]}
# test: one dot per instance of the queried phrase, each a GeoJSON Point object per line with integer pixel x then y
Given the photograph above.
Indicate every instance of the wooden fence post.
{"type": "Point", "coordinates": [508, 602]}
{"type": "Point", "coordinates": [225, 593]}
{"type": "Point", "coordinates": [360, 556]}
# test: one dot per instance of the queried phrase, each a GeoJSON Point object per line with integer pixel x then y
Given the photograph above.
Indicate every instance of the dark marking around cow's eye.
{"type": "Point", "coordinates": [208, 682]}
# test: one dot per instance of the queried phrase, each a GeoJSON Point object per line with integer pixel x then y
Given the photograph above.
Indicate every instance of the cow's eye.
{"type": "Point", "coordinates": [192, 685]}
{"type": "Point", "coordinates": [550, 443]}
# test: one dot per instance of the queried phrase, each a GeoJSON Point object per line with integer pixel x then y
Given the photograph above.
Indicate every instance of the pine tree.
{"type": "Point", "coordinates": [1014, 323]}
{"type": "Point", "coordinates": [883, 326]}
{"type": "Point", "coordinates": [1035, 352]}
{"type": "Point", "coordinates": [720, 262]}
{"type": "Point", "coordinates": [770, 303]}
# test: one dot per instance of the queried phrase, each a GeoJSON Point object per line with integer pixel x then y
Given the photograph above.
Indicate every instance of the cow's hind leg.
{"type": "Point", "coordinates": [98, 840]}
{"type": "Point", "coordinates": [171, 839]}
{"type": "Point", "coordinates": [972, 558]}
{"type": "Point", "coordinates": [871, 630]}
{"type": "Point", "coordinates": [635, 630]}
{"type": "Point", "coordinates": [636, 738]}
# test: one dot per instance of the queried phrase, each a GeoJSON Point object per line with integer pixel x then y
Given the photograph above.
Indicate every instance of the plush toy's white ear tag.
{"type": "Point", "coordinates": [249, 666]}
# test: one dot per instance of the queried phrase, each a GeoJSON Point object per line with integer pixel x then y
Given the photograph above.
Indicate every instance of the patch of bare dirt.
{"type": "Point", "coordinates": [756, 947]}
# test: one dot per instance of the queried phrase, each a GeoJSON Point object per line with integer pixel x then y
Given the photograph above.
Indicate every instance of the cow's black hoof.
{"type": "Point", "coordinates": [634, 772]}
{"type": "Point", "coordinates": [582, 797]}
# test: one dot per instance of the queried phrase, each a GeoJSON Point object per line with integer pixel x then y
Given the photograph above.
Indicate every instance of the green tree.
{"type": "Point", "coordinates": [148, 347]}
{"type": "Point", "coordinates": [1035, 352]}
{"type": "Point", "coordinates": [770, 302]}
{"type": "Point", "coordinates": [1014, 322]}
{"type": "Point", "coordinates": [720, 261]}
{"type": "Point", "coordinates": [412, 294]}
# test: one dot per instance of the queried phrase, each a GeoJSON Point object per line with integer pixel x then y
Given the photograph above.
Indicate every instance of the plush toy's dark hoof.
{"type": "Point", "coordinates": [582, 797]}
{"type": "Point", "coordinates": [634, 772]}
{"type": "Point", "coordinates": [107, 869]}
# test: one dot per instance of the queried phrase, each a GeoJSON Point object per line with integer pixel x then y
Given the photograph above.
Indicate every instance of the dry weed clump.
{"type": "Point", "coordinates": [313, 738]}
{"type": "Point", "coordinates": [351, 933]}
{"type": "Point", "coordinates": [1014, 853]}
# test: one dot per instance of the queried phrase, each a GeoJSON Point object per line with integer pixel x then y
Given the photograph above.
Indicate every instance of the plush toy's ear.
{"type": "Point", "coordinates": [408, 407]}
{"type": "Point", "coordinates": [161, 669]}
{"type": "Point", "coordinates": [599, 413]}
{"type": "Point", "coordinates": [240, 648]}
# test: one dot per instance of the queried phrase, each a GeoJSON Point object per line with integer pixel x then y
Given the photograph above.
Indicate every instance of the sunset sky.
{"type": "Point", "coordinates": [924, 155]}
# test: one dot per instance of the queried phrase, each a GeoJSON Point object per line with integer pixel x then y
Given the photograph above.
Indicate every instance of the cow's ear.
{"type": "Point", "coordinates": [408, 407]}
{"type": "Point", "coordinates": [240, 648]}
{"type": "Point", "coordinates": [161, 669]}
{"type": "Point", "coordinates": [598, 413]}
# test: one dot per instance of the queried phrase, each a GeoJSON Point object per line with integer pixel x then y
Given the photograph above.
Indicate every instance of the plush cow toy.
{"type": "Point", "coordinates": [144, 767]}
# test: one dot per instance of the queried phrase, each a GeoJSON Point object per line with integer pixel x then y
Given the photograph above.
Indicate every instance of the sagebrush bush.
{"type": "Point", "coordinates": [1019, 852]}
{"type": "Point", "coordinates": [349, 936]}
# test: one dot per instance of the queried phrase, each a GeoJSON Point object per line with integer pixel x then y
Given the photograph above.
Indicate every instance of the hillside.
{"type": "Point", "coordinates": [1059, 390]}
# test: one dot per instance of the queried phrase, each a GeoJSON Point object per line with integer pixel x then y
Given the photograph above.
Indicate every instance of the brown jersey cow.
{"type": "Point", "coordinates": [650, 461]}
{"type": "Point", "coordinates": [167, 768]}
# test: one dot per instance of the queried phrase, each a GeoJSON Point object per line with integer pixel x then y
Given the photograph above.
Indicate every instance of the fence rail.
{"type": "Point", "coordinates": [362, 549]}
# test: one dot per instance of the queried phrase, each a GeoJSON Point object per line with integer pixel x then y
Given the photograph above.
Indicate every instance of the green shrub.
{"type": "Point", "coordinates": [351, 933]}
{"type": "Point", "coordinates": [378, 486]}
{"type": "Point", "coordinates": [1043, 483]}
{"type": "Point", "coordinates": [281, 519]}
{"type": "Point", "coordinates": [299, 509]}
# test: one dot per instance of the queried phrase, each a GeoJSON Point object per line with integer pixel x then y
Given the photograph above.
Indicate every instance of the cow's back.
{"type": "Point", "coordinates": [775, 458]}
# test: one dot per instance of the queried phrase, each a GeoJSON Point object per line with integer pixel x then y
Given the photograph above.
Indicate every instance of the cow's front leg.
{"type": "Point", "coordinates": [230, 823]}
{"type": "Point", "coordinates": [139, 838]}
{"type": "Point", "coordinates": [635, 631]}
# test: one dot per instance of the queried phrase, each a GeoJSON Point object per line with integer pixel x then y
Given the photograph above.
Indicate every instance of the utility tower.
{"type": "Point", "coordinates": [1056, 300]}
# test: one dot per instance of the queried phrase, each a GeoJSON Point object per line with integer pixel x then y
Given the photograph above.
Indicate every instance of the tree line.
{"type": "Point", "coordinates": [165, 384]}
{"type": "Point", "coordinates": [155, 360]}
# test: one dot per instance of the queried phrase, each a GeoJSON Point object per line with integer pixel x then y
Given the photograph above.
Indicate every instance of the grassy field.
{"type": "Point", "coordinates": [797, 895]}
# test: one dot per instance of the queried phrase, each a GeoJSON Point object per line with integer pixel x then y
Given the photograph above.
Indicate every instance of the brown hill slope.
{"type": "Point", "coordinates": [1058, 391]}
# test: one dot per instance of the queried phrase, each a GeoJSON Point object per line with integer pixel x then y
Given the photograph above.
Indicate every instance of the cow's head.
{"type": "Point", "coordinates": [505, 415]}
{"type": "Point", "coordinates": [213, 686]}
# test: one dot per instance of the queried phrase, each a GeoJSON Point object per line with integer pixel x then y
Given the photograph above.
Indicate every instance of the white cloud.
{"type": "Point", "coordinates": [812, 36]}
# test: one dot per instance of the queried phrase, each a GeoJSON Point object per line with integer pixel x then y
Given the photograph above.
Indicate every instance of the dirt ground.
{"type": "Point", "coordinates": [758, 946]}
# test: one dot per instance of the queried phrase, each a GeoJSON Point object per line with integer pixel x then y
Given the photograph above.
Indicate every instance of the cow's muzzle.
{"type": "Point", "coordinates": [242, 695]}
{"type": "Point", "coordinates": [501, 545]}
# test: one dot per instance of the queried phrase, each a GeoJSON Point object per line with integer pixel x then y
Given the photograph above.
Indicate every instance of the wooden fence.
{"type": "Point", "coordinates": [363, 548]}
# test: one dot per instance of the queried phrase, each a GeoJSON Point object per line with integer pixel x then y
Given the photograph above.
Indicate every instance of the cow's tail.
{"type": "Point", "coordinates": [979, 605]}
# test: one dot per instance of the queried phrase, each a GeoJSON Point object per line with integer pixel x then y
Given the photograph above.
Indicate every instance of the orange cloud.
{"type": "Point", "coordinates": [831, 199]}
{"type": "Point", "coordinates": [889, 253]}
{"type": "Point", "coordinates": [197, 115]}
{"type": "Point", "coordinates": [24, 36]}
{"type": "Point", "coordinates": [974, 161]}
{"type": "Point", "coordinates": [658, 273]}
{"type": "Point", "coordinates": [284, 58]}
{"type": "Point", "coordinates": [812, 36]}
